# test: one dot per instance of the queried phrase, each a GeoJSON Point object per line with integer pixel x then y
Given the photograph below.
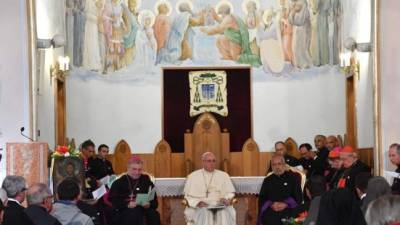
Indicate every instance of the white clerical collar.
{"type": "Point", "coordinates": [363, 196]}
{"type": "Point", "coordinates": [14, 200]}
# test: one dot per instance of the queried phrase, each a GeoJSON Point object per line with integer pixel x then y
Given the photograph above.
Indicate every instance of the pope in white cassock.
{"type": "Point", "coordinates": [209, 193]}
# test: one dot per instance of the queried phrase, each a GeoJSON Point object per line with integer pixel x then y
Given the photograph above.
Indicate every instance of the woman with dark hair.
{"type": "Point", "coordinates": [377, 187]}
{"type": "Point", "coordinates": [340, 207]}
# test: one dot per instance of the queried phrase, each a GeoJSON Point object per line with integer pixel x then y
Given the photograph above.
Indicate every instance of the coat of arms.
{"type": "Point", "coordinates": [208, 92]}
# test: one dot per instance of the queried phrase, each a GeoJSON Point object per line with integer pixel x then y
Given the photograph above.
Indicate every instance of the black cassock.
{"type": "Point", "coordinates": [285, 188]}
{"type": "Point", "coordinates": [99, 168]}
{"type": "Point", "coordinates": [396, 183]}
{"type": "Point", "coordinates": [122, 191]}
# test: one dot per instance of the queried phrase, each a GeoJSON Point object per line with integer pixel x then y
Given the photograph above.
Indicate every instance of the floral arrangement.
{"type": "Point", "coordinates": [65, 151]}
{"type": "Point", "coordinates": [295, 221]}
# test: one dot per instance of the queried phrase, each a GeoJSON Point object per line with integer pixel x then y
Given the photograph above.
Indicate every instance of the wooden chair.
{"type": "Point", "coordinates": [206, 137]}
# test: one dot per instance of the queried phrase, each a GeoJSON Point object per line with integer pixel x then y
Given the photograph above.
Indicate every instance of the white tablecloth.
{"type": "Point", "coordinates": [169, 187]}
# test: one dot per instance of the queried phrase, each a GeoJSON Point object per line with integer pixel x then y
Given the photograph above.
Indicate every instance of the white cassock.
{"type": "Point", "coordinates": [209, 187]}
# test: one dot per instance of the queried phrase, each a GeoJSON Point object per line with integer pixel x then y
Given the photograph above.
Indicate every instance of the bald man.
{"type": "Point", "coordinates": [280, 193]}
{"type": "Point", "coordinates": [209, 192]}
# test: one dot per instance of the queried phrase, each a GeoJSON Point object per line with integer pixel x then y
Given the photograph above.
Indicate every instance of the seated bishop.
{"type": "Point", "coordinates": [280, 193]}
{"type": "Point", "coordinates": [123, 194]}
{"type": "Point", "coordinates": [209, 193]}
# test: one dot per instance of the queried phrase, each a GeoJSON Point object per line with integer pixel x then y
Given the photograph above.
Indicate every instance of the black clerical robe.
{"type": "Point", "coordinates": [284, 188]}
{"type": "Point", "coordinates": [396, 183]}
{"type": "Point", "coordinates": [14, 214]}
{"type": "Point", "coordinates": [333, 176]}
{"type": "Point", "coordinates": [124, 190]}
{"type": "Point", "coordinates": [347, 180]}
{"type": "Point", "coordinates": [99, 168]}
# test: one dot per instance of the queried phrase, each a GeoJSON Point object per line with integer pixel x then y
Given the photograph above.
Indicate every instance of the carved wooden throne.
{"type": "Point", "coordinates": [206, 137]}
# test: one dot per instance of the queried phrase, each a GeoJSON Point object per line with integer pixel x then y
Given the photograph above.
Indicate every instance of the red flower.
{"type": "Point", "coordinates": [303, 215]}
{"type": "Point", "coordinates": [62, 149]}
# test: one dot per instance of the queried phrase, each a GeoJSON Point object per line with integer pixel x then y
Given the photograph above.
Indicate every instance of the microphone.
{"type": "Point", "coordinates": [22, 133]}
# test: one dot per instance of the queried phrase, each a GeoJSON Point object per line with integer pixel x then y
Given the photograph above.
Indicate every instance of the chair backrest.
{"type": "Point", "coordinates": [121, 156]}
{"type": "Point", "coordinates": [206, 137]}
{"type": "Point", "coordinates": [292, 148]}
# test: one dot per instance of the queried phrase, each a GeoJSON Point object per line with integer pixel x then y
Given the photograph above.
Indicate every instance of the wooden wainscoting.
{"type": "Point", "coordinates": [249, 162]}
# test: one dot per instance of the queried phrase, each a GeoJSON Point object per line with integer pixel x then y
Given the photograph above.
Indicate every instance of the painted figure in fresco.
{"type": "Point", "coordinates": [233, 36]}
{"type": "Point", "coordinates": [69, 28]}
{"type": "Point", "coordinates": [286, 31]}
{"type": "Point", "coordinates": [118, 27]}
{"type": "Point", "coordinates": [269, 39]}
{"type": "Point", "coordinates": [146, 44]}
{"type": "Point", "coordinates": [253, 19]}
{"type": "Point", "coordinates": [162, 24]}
{"type": "Point", "coordinates": [323, 8]}
{"type": "Point", "coordinates": [299, 17]}
{"type": "Point", "coordinates": [106, 23]}
{"type": "Point", "coordinates": [337, 12]}
{"type": "Point", "coordinates": [179, 44]}
{"type": "Point", "coordinates": [100, 27]}
{"type": "Point", "coordinates": [91, 48]}
{"type": "Point", "coordinates": [130, 19]}
{"type": "Point", "coordinates": [314, 32]}
{"type": "Point", "coordinates": [79, 32]}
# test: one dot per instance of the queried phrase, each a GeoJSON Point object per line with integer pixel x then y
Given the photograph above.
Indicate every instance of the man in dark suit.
{"type": "Point", "coordinates": [394, 156]}
{"type": "Point", "coordinates": [14, 213]}
{"type": "Point", "coordinates": [40, 201]}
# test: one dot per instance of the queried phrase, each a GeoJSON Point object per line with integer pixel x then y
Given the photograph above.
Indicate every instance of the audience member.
{"type": "Point", "coordinates": [335, 170]}
{"type": "Point", "coordinates": [340, 207]}
{"type": "Point", "coordinates": [123, 195]}
{"type": "Point", "coordinates": [87, 153]}
{"type": "Point", "coordinates": [99, 166]}
{"type": "Point", "coordinates": [40, 203]}
{"type": "Point", "coordinates": [322, 154]}
{"type": "Point", "coordinates": [208, 187]}
{"type": "Point", "coordinates": [394, 156]}
{"type": "Point", "coordinates": [377, 187]}
{"type": "Point", "coordinates": [352, 167]}
{"type": "Point", "coordinates": [384, 211]}
{"type": "Point", "coordinates": [281, 149]}
{"type": "Point", "coordinates": [307, 158]}
{"type": "Point", "coordinates": [14, 214]}
{"type": "Point", "coordinates": [332, 142]}
{"type": "Point", "coordinates": [65, 209]}
{"type": "Point", "coordinates": [279, 194]}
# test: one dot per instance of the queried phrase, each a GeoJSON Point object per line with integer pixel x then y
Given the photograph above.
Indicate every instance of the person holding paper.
{"type": "Point", "coordinates": [126, 195]}
{"type": "Point", "coordinates": [394, 156]}
{"type": "Point", "coordinates": [209, 193]}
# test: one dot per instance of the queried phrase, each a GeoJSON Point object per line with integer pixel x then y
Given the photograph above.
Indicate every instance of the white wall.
{"type": "Point", "coordinates": [48, 22]}
{"type": "Point", "coordinates": [390, 74]}
{"type": "Point", "coordinates": [14, 75]}
{"type": "Point", "coordinates": [107, 111]}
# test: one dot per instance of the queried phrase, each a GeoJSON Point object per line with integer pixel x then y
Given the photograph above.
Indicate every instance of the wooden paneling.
{"type": "Point", "coordinates": [351, 118]}
{"type": "Point", "coordinates": [250, 157]}
{"type": "Point", "coordinates": [60, 112]}
{"type": "Point", "coordinates": [162, 159]}
{"type": "Point", "coordinates": [178, 165]}
{"type": "Point", "coordinates": [121, 156]}
{"type": "Point", "coordinates": [292, 148]}
{"type": "Point", "coordinates": [366, 155]}
{"type": "Point", "coordinates": [265, 159]}
{"type": "Point", "coordinates": [235, 167]}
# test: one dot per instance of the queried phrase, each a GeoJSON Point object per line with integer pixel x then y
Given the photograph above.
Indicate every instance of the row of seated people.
{"type": "Point", "coordinates": [208, 191]}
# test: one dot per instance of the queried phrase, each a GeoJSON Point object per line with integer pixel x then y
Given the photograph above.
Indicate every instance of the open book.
{"type": "Point", "coordinates": [145, 198]}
